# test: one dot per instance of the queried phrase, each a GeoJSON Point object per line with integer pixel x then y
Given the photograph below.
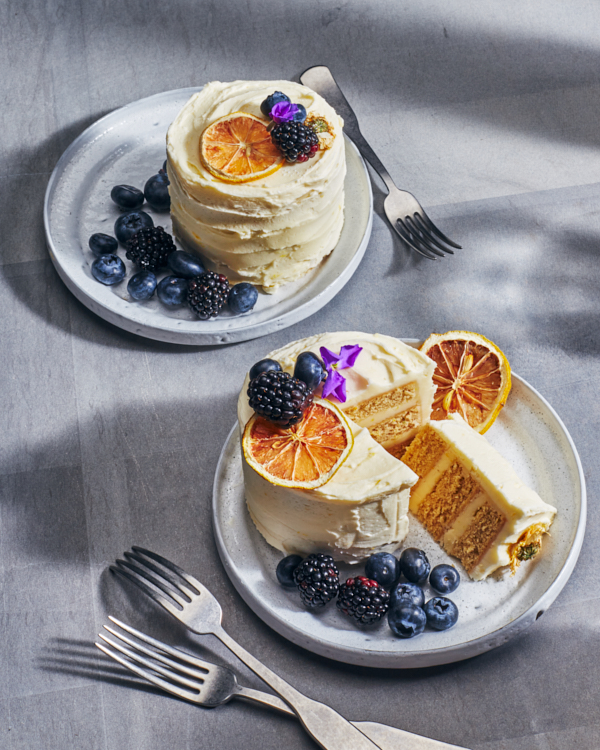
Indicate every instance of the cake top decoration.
{"type": "Point", "coordinates": [335, 385]}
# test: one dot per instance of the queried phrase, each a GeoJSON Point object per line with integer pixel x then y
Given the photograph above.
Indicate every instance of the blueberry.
{"type": "Point", "coordinates": [441, 613]}
{"type": "Point", "coordinates": [300, 114]}
{"type": "Point", "coordinates": [103, 244]}
{"type": "Point", "coordinates": [407, 620]}
{"type": "Point", "coordinates": [126, 197]}
{"type": "Point", "coordinates": [242, 297]}
{"type": "Point", "coordinates": [271, 101]}
{"type": "Point", "coordinates": [142, 285]}
{"type": "Point", "coordinates": [128, 224]}
{"type": "Point", "coordinates": [285, 570]}
{"type": "Point", "coordinates": [265, 365]}
{"type": "Point", "coordinates": [156, 192]}
{"type": "Point", "coordinates": [383, 568]}
{"type": "Point", "coordinates": [407, 593]}
{"type": "Point", "coordinates": [108, 269]}
{"type": "Point", "coordinates": [444, 579]}
{"type": "Point", "coordinates": [309, 369]}
{"type": "Point", "coordinates": [414, 565]}
{"type": "Point", "coordinates": [185, 265]}
{"type": "Point", "coordinates": [172, 291]}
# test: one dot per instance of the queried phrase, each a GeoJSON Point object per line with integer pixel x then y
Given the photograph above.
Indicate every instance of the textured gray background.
{"type": "Point", "coordinates": [489, 114]}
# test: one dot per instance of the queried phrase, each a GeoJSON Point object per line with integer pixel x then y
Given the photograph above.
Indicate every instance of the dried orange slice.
{"type": "Point", "coordinates": [472, 377]}
{"type": "Point", "coordinates": [305, 455]}
{"type": "Point", "coordinates": [238, 148]}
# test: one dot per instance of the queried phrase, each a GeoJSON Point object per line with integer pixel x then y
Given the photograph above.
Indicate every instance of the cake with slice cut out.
{"type": "Point", "coordinates": [363, 508]}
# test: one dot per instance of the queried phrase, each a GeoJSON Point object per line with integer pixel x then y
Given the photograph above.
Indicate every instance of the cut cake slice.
{"type": "Point", "coordinates": [471, 501]}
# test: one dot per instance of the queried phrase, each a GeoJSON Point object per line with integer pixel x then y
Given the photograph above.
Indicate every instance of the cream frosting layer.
{"type": "Point", "coordinates": [270, 231]}
{"type": "Point", "coordinates": [519, 504]}
{"type": "Point", "coordinates": [363, 508]}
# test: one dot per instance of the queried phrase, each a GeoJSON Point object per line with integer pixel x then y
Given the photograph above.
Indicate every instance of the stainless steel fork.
{"type": "Point", "coordinates": [211, 685]}
{"type": "Point", "coordinates": [403, 210]}
{"type": "Point", "coordinates": [188, 600]}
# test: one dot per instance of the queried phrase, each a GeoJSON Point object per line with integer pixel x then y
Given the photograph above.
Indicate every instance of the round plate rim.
{"type": "Point", "coordinates": [431, 657]}
{"type": "Point", "coordinates": [172, 334]}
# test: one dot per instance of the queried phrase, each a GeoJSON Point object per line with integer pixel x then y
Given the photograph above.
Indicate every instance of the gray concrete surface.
{"type": "Point", "coordinates": [489, 114]}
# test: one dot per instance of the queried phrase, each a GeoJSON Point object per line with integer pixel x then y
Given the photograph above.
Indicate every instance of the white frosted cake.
{"type": "Point", "coordinates": [363, 508]}
{"type": "Point", "coordinates": [471, 501]}
{"type": "Point", "coordinates": [268, 231]}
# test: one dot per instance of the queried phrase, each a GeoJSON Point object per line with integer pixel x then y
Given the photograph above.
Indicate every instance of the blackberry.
{"type": "Point", "coordinates": [149, 248]}
{"type": "Point", "coordinates": [207, 294]}
{"type": "Point", "coordinates": [279, 397]}
{"type": "Point", "coordinates": [317, 579]}
{"type": "Point", "coordinates": [298, 142]}
{"type": "Point", "coordinates": [363, 599]}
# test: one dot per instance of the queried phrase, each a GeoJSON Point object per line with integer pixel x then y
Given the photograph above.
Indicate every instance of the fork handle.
{"type": "Point", "coordinates": [328, 728]}
{"type": "Point", "coordinates": [320, 79]}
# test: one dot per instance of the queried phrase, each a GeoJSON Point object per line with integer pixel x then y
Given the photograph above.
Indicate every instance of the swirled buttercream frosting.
{"type": "Point", "coordinates": [269, 231]}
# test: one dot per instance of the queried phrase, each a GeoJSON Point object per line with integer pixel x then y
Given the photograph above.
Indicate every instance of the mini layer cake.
{"type": "Point", "coordinates": [364, 507]}
{"type": "Point", "coordinates": [471, 501]}
{"type": "Point", "coordinates": [270, 231]}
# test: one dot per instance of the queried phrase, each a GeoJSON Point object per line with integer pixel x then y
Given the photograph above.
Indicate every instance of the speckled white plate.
{"type": "Point", "coordinates": [530, 435]}
{"type": "Point", "coordinates": [127, 147]}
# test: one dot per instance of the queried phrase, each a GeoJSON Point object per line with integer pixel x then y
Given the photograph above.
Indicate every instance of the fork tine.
{"type": "Point", "coordinates": [147, 674]}
{"type": "Point", "coordinates": [152, 593]}
{"type": "Point", "coordinates": [423, 237]}
{"type": "Point", "coordinates": [164, 575]}
{"type": "Point", "coordinates": [422, 227]}
{"type": "Point", "coordinates": [162, 658]}
{"type": "Point", "coordinates": [159, 646]}
{"type": "Point", "coordinates": [192, 582]}
{"type": "Point", "coordinates": [178, 596]}
{"type": "Point", "coordinates": [135, 656]}
{"type": "Point", "coordinates": [440, 234]}
{"type": "Point", "coordinates": [405, 236]}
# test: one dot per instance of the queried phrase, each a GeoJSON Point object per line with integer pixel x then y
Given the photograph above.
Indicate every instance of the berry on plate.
{"type": "Point", "coordinates": [172, 291]}
{"type": "Point", "coordinates": [441, 613]}
{"type": "Point", "coordinates": [444, 579]}
{"type": "Point", "coordinates": [150, 248]}
{"type": "Point", "coordinates": [141, 285]}
{"type": "Point", "coordinates": [414, 565]}
{"type": "Point", "coordinates": [207, 294]}
{"type": "Point", "coordinates": [407, 620]}
{"type": "Point", "coordinates": [317, 579]}
{"type": "Point", "coordinates": [285, 570]}
{"type": "Point", "coordinates": [108, 269]}
{"type": "Point", "coordinates": [185, 265]}
{"type": "Point", "coordinates": [127, 197]}
{"type": "Point", "coordinates": [404, 593]}
{"type": "Point", "coordinates": [128, 224]}
{"type": "Point", "coordinates": [242, 297]}
{"type": "Point", "coordinates": [383, 567]}
{"type": "Point", "coordinates": [363, 599]}
{"type": "Point", "coordinates": [156, 192]}
{"type": "Point", "coordinates": [103, 244]}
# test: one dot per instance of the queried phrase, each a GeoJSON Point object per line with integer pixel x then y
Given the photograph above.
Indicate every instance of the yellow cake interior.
{"type": "Point", "coordinates": [471, 501]}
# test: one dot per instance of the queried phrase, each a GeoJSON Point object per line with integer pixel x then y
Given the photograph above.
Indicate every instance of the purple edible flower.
{"type": "Point", "coordinates": [335, 385]}
{"type": "Point", "coordinates": [283, 112]}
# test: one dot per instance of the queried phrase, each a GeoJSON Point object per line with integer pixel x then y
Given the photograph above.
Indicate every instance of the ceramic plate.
{"type": "Point", "coordinates": [531, 436]}
{"type": "Point", "coordinates": [127, 147]}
